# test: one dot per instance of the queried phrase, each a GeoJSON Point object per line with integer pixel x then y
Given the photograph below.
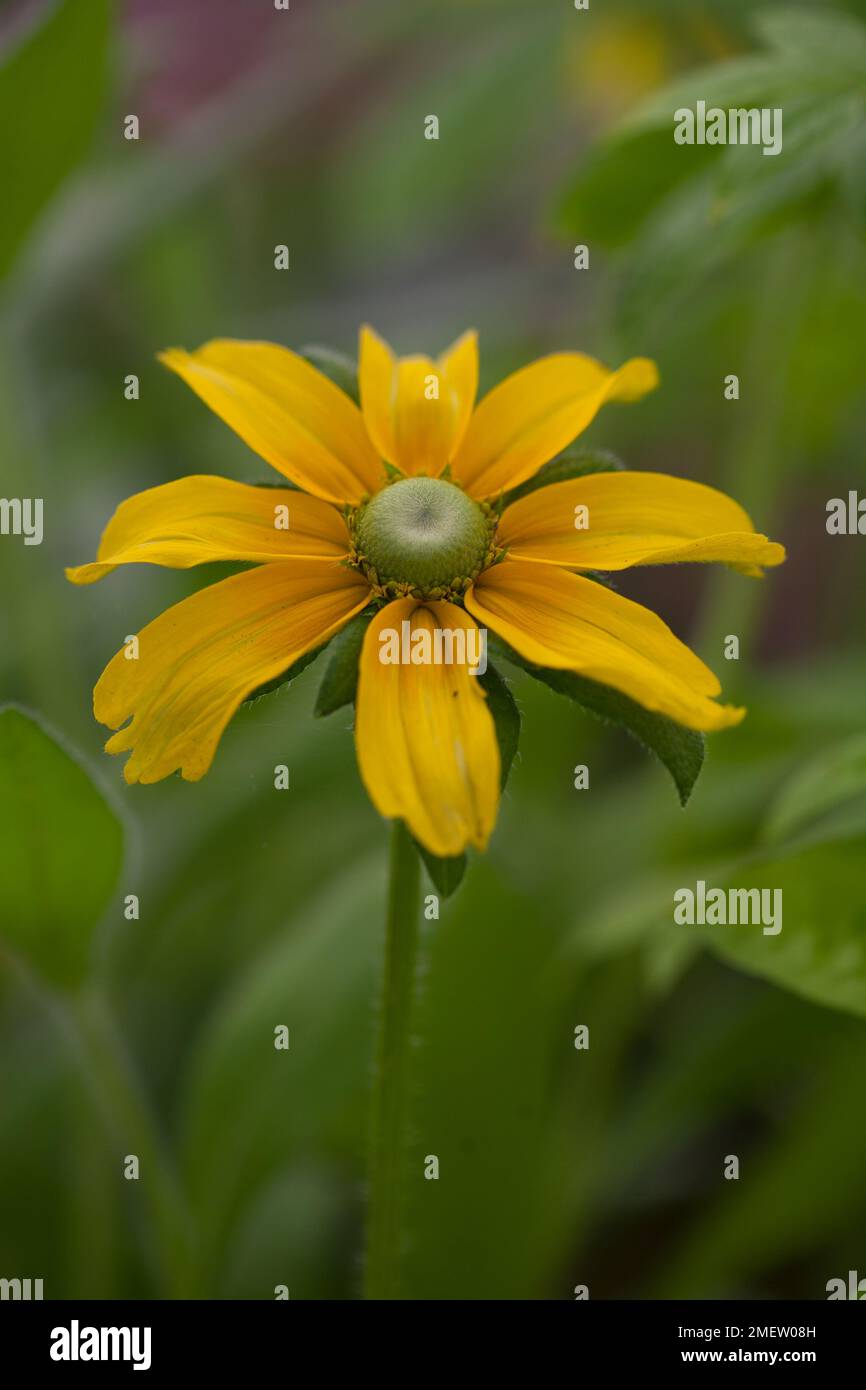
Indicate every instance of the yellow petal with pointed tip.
{"type": "Point", "coordinates": [416, 410]}
{"type": "Point", "coordinates": [200, 519]}
{"type": "Point", "coordinates": [426, 741]}
{"type": "Point", "coordinates": [633, 519]}
{"type": "Point", "coordinates": [571, 623]}
{"type": "Point", "coordinates": [533, 414]}
{"type": "Point", "coordinates": [197, 661]}
{"type": "Point", "coordinates": [287, 411]}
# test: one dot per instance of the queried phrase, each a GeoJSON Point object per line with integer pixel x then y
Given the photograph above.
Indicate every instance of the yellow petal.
{"type": "Point", "coordinates": [565, 621]}
{"type": "Point", "coordinates": [200, 659]}
{"type": "Point", "coordinates": [199, 519]}
{"type": "Point", "coordinates": [416, 410]}
{"type": "Point", "coordinates": [528, 418]}
{"type": "Point", "coordinates": [633, 519]}
{"type": "Point", "coordinates": [288, 412]}
{"type": "Point", "coordinates": [426, 742]}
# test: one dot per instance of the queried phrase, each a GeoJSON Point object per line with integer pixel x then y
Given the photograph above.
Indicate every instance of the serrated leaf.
{"type": "Point", "coordinates": [680, 749]}
{"type": "Point", "coordinates": [576, 462]}
{"type": "Point", "coordinates": [829, 786]}
{"type": "Point", "coordinates": [820, 951]}
{"type": "Point", "coordinates": [340, 681]}
{"type": "Point", "coordinates": [712, 220]}
{"type": "Point", "coordinates": [61, 847]}
{"type": "Point", "coordinates": [759, 79]}
{"type": "Point", "coordinates": [336, 366]}
{"type": "Point", "coordinates": [813, 59]}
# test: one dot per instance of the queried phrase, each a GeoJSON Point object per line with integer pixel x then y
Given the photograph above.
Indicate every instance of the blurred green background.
{"type": "Point", "coordinates": [257, 908]}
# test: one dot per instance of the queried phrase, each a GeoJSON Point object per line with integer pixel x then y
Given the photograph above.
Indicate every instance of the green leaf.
{"type": "Point", "coordinates": [52, 89]}
{"type": "Point", "coordinates": [681, 750]}
{"type": "Point", "coordinates": [622, 181]}
{"type": "Point", "coordinates": [820, 953]}
{"type": "Point", "coordinates": [718, 216]}
{"type": "Point", "coordinates": [830, 787]}
{"type": "Point", "coordinates": [336, 366]}
{"type": "Point", "coordinates": [575, 462]}
{"type": "Point", "coordinates": [446, 874]}
{"type": "Point", "coordinates": [61, 847]}
{"type": "Point", "coordinates": [250, 1110]}
{"type": "Point", "coordinates": [489, 1089]}
{"type": "Point", "coordinates": [340, 681]}
{"type": "Point", "coordinates": [754, 80]}
{"type": "Point", "coordinates": [302, 1209]}
{"type": "Point", "coordinates": [813, 61]}
{"type": "Point", "coordinates": [506, 718]}
{"type": "Point", "coordinates": [287, 676]}
{"type": "Point", "coordinates": [829, 39]}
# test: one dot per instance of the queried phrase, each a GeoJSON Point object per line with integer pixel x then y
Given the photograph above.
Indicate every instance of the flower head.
{"type": "Point", "coordinates": [428, 515]}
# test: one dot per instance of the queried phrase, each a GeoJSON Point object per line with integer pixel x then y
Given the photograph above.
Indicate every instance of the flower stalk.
{"type": "Point", "coordinates": [389, 1108]}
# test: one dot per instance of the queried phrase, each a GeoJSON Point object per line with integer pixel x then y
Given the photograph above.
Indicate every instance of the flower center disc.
{"type": "Point", "coordinates": [423, 535]}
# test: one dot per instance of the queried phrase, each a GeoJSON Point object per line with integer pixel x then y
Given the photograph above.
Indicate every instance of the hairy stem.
{"type": "Point", "coordinates": [387, 1147]}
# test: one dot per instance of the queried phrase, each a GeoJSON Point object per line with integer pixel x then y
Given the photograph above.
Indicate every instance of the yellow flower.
{"type": "Point", "coordinates": [397, 507]}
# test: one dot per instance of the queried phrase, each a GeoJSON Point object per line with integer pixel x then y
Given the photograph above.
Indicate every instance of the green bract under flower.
{"type": "Point", "coordinates": [424, 537]}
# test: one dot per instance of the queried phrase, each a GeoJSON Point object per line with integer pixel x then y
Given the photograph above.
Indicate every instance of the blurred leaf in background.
{"type": "Point", "coordinates": [55, 76]}
{"type": "Point", "coordinates": [61, 847]}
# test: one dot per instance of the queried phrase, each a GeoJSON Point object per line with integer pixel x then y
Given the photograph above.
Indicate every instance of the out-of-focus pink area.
{"type": "Point", "coordinates": [17, 17]}
{"type": "Point", "coordinates": [183, 54]}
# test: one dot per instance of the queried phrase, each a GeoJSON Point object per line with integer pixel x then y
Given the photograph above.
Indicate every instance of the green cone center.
{"type": "Point", "coordinates": [425, 534]}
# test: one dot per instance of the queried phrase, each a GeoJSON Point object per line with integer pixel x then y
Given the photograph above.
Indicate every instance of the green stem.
{"type": "Point", "coordinates": [387, 1149]}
